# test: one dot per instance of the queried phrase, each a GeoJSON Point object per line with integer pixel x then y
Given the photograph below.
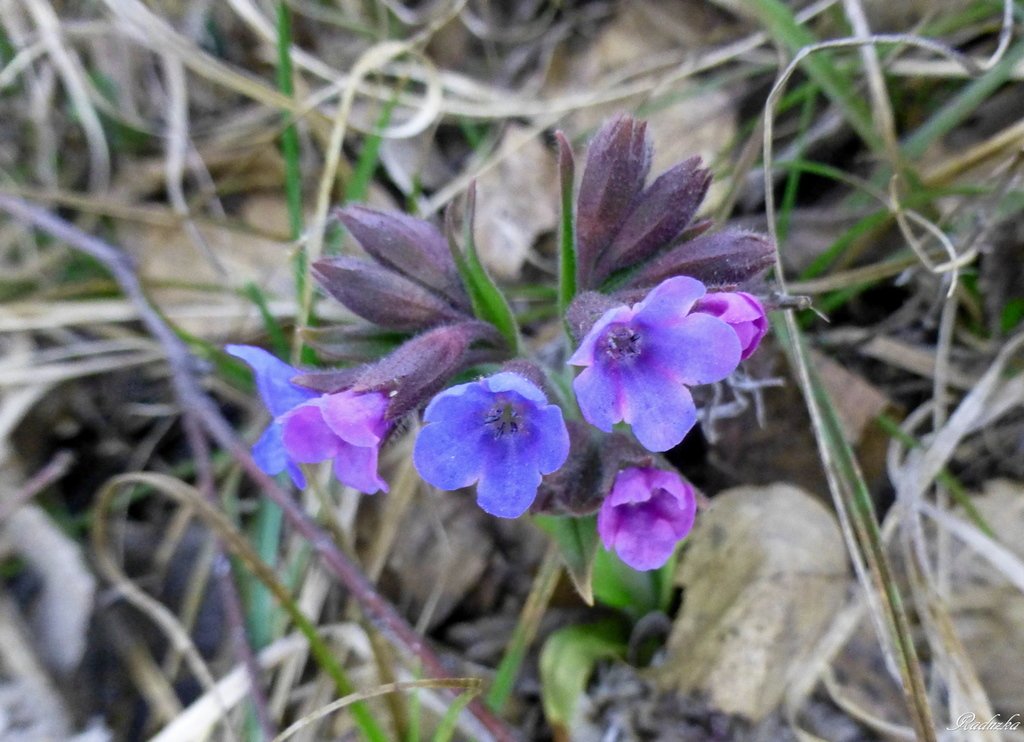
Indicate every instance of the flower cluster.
{"type": "Point", "coordinates": [654, 309]}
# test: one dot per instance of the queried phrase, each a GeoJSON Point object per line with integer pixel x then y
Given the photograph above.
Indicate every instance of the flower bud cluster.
{"type": "Point", "coordinates": [655, 310]}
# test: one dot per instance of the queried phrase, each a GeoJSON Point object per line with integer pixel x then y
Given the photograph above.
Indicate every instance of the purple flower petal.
{"type": "Point", "coordinates": [549, 446]}
{"type": "Point", "coordinates": [306, 435]}
{"type": "Point", "coordinates": [640, 361]}
{"type": "Point", "coordinates": [499, 432]}
{"type": "Point", "coordinates": [699, 350]}
{"type": "Point", "coordinates": [509, 482]}
{"type": "Point", "coordinates": [742, 312]}
{"type": "Point", "coordinates": [601, 396]}
{"type": "Point", "coordinates": [298, 478]}
{"type": "Point", "coordinates": [269, 453]}
{"type": "Point", "coordinates": [585, 354]}
{"type": "Point", "coordinates": [444, 456]}
{"type": "Point", "coordinates": [356, 467]}
{"type": "Point", "coordinates": [645, 515]}
{"type": "Point", "coordinates": [272, 379]}
{"type": "Point", "coordinates": [670, 301]}
{"type": "Point", "coordinates": [659, 408]}
{"type": "Point", "coordinates": [507, 381]}
{"type": "Point", "coordinates": [356, 418]}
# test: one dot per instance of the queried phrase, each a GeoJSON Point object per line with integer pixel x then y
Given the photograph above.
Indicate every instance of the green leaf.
{"type": "Point", "coordinates": [577, 541]}
{"type": "Point", "coordinates": [567, 661]}
{"type": "Point", "coordinates": [618, 585]}
{"type": "Point", "coordinates": [446, 729]}
{"type": "Point", "coordinates": [489, 304]}
{"type": "Point", "coordinates": [567, 237]}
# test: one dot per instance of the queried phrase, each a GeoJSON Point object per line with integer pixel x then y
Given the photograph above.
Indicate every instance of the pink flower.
{"type": "Point", "coordinates": [346, 427]}
{"type": "Point", "coordinates": [742, 312]}
{"type": "Point", "coordinates": [645, 515]}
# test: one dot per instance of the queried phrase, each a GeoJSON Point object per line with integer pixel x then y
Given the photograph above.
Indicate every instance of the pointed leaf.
{"type": "Point", "coordinates": [567, 235]}
{"type": "Point", "coordinates": [618, 585]}
{"type": "Point", "coordinates": [577, 542]}
{"type": "Point", "coordinates": [410, 246]}
{"type": "Point", "coordinates": [489, 303]}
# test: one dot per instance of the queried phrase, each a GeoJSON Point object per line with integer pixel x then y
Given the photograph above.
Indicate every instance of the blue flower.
{"type": "Point", "coordinates": [280, 395]}
{"type": "Point", "coordinates": [640, 360]}
{"type": "Point", "coordinates": [499, 432]}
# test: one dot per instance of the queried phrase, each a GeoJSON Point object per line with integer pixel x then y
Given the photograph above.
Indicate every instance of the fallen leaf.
{"type": "Point", "coordinates": [61, 614]}
{"type": "Point", "coordinates": [516, 203]}
{"type": "Point", "coordinates": [764, 572]}
{"type": "Point", "coordinates": [987, 610]}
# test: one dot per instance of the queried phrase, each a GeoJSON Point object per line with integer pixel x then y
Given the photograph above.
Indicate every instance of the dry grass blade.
{"type": "Point", "coordinates": [852, 500]}
{"type": "Point", "coordinates": [200, 717]}
{"type": "Point", "coordinates": [471, 685]}
{"type": "Point", "coordinates": [149, 606]}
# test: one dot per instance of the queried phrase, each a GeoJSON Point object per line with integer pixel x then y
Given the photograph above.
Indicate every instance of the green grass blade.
{"type": "Point", "coordinates": [854, 506]}
{"type": "Point", "coordinates": [526, 629]}
{"type": "Point", "coordinates": [489, 303]}
{"type": "Point", "coordinates": [567, 235]}
{"type": "Point", "coordinates": [821, 67]}
{"type": "Point", "coordinates": [446, 729]}
{"type": "Point", "coordinates": [964, 104]}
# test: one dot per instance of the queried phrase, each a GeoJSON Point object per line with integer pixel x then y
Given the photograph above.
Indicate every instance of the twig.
{"type": "Point", "coordinates": [54, 470]}
{"type": "Point", "coordinates": [223, 571]}
{"type": "Point", "coordinates": [193, 398]}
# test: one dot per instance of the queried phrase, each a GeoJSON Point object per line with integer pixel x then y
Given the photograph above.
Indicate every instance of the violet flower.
{"type": "Point", "coordinates": [647, 513]}
{"type": "Point", "coordinates": [640, 360]}
{"type": "Point", "coordinates": [309, 427]}
{"type": "Point", "coordinates": [348, 428]}
{"type": "Point", "coordinates": [279, 395]}
{"type": "Point", "coordinates": [742, 312]}
{"type": "Point", "coordinates": [499, 432]}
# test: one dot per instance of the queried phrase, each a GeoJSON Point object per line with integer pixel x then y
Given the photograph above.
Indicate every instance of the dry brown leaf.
{"type": "Point", "coordinates": [764, 572]}
{"type": "Point", "coordinates": [61, 615]}
{"type": "Point", "coordinates": [987, 610]}
{"type": "Point", "coordinates": [516, 202]}
{"type": "Point", "coordinates": [682, 120]}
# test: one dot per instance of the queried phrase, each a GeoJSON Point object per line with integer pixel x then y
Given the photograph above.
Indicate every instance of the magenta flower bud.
{"type": "Point", "coordinates": [742, 312]}
{"type": "Point", "coordinates": [500, 433]}
{"type": "Point", "coordinates": [659, 216]}
{"type": "Point", "coordinates": [647, 513]}
{"type": "Point", "coordinates": [346, 428]}
{"type": "Point", "coordinates": [639, 362]}
{"type": "Point", "coordinates": [618, 159]}
{"type": "Point", "coordinates": [726, 258]}
{"type": "Point", "coordinates": [382, 296]}
{"type": "Point", "coordinates": [412, 247]}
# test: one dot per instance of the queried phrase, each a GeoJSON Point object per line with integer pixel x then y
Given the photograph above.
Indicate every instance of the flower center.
{"type": "Point", "coordinates": [621, 342]}
{"type": "Point", "coordinates": [503, 419]}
